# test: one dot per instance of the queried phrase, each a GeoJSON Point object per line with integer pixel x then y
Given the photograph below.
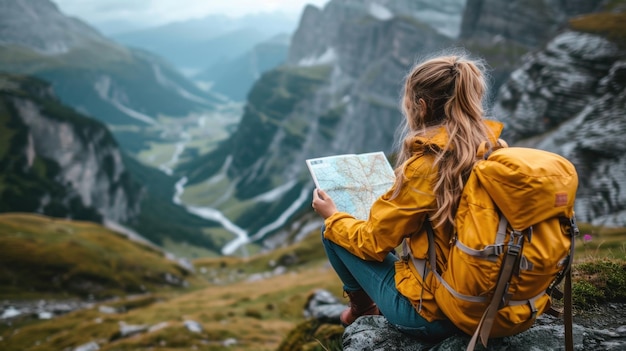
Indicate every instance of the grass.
{"type": "Point", "coordinates": [72, 258]}
{"type": "Point", "coordinates": [598, 242]}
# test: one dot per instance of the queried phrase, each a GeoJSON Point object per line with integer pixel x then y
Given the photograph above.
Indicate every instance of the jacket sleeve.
{"type": "Point", "coordinates": [390, 219]}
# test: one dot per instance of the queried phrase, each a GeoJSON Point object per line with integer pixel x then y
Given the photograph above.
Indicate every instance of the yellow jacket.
{"type": "Point", "coordinates": [392, 220]}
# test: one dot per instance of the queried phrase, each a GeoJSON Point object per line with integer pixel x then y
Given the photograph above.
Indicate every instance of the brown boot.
{"type": "Point", "coordinates": [360, 305]}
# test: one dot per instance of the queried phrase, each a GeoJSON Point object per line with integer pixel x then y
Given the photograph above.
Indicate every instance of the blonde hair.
{"type": "Point", "coordinates": [445, 91]}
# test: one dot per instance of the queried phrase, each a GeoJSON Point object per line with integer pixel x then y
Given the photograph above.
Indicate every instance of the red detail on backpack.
{"type": "Point", "coordinates": [560, 200]}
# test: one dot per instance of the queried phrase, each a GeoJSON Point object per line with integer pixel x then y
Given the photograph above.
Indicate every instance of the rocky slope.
{"type": "Point", "coordinates": [320, 30]}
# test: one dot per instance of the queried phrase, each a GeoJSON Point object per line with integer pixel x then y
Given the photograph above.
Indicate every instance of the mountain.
{"type": "Point", "coordinates": [235, 77]}
{"type": "Point", "coordinates": [82, 177]}
{"type": "Point", "coordinates": [195, 45]}
{"type": "Point", "coordinates": [116, 85]}
{"type": "Point", "coordinates": [359, 54]}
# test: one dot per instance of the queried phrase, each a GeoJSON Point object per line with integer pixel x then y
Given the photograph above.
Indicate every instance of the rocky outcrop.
{"type": "Point", "coordinates": [602, 329]}
{"type": "Point", "coordinates": [59, 162]}
{"type": "Point", "coordinates": [569, 98]}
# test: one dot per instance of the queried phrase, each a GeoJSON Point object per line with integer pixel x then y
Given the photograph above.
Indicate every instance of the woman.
{"type": "Point", "coordinates": [444, 128]}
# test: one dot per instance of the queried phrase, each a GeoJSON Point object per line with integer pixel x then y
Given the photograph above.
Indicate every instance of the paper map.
{"type": "Point", "coordinates": [353, 181]}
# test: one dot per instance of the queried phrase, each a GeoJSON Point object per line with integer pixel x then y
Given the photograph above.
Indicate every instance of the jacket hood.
{"type": "Point", "coordinates": [438, 138]}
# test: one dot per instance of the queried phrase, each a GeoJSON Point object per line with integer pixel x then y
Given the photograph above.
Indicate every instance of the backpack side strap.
{"type": "Point", "coordinates": [568, 317]}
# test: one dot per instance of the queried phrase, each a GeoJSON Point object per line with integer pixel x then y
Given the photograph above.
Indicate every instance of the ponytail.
{"type": "Point", "coordinates": [445, 91]}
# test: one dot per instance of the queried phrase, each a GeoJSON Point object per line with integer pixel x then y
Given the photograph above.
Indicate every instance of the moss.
{"type": "Point", "coordinates": [610, 25]}
{"type": "Point", "coordinates": [599, 281]}
{"type": "Point", "coordinates": [311, 335]}
{"type": "Point", "coordinates": [329, 336]}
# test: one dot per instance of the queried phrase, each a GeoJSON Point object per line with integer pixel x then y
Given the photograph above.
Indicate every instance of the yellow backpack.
{"type": "Point", "coordinates": [515, 239]}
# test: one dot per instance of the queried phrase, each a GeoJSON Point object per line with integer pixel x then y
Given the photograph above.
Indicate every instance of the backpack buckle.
{"type": "Point", "coordinates": [516, 237]}
{"type": "Point", "coordinates": [497, 249]}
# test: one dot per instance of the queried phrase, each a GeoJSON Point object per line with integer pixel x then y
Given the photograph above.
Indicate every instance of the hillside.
{"type": "Point", "coordinates": [45, 256]}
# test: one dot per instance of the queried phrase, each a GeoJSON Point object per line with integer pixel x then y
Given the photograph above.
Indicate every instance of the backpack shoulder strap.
{"type": "Point", "coordinates": [506, 271]}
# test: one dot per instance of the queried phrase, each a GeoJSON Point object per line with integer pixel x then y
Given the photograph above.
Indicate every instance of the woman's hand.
{"type": "Point", "coordinates": [323, 204]}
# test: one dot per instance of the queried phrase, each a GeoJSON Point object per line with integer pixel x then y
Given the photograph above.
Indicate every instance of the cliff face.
{"type": "Point", "coordinates": [570, 98]}
{"type": "Point", "coordinates": [58, 162]}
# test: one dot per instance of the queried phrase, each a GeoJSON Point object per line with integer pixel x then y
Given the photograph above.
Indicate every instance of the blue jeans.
{"type": "Point", "coordinates": [377, 279]}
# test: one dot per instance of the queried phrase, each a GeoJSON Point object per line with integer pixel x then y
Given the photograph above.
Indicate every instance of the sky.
{"type": "Point", "coordinates": [147, 13]}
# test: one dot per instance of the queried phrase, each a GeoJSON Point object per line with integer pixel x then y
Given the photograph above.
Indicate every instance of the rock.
{"type": "Point", "coordinates": [193, 326]}
{"type": "Point", "coordinates": [10, 313]}
{"type": "Point", "coordinates": [127, 330]}
{"type": "Point", "coordinates": [229, 342]}
{"type": "Point", "coordinates": [90, 346]}
{"type": "Point", "coordinates": [324, 306]}
{"type": "Point", "coordinates": [158, 327]}
{"type": "Point", "coordinates": [374, 333]}
{"type": "Point", "coordinates": [524, 22]}
{"type": "Point", "coordinates": [107, 309]}
{"type": "Point", "coordinates": [599, 329]}
{"type": "Point", "coordinates": [45, 315]}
